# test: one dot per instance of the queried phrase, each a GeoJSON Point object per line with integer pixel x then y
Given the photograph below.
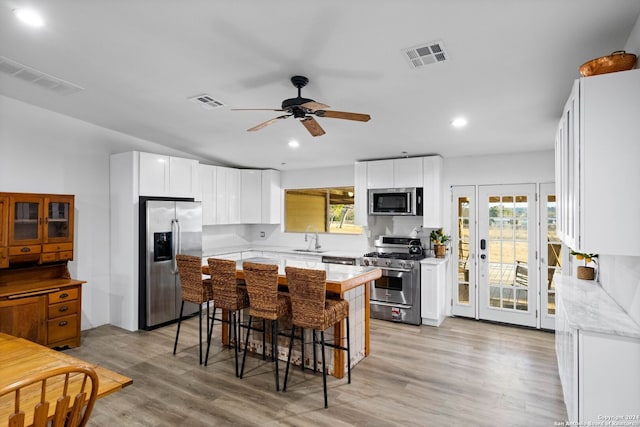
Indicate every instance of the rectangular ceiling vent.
{"type": "Point", "coordinates": [425, 54]}
{"type": "Point", "coordinates": [206, 101]}
{"type": "Point", "coordinates": [31, 75]}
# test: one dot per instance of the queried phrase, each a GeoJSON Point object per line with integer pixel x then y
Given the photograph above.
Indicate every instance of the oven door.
{"type": "Point", "coordinates": [395, 286]}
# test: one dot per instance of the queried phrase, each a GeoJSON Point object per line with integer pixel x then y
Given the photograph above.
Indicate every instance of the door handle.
{"type": "Point", "coordinates": [483, 244]}
{"type": "Point", "coordinates": [174, 232]}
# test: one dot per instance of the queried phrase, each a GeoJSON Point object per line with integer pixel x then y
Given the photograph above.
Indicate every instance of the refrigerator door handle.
{"type": "Point", "coordinates": [175, 230]}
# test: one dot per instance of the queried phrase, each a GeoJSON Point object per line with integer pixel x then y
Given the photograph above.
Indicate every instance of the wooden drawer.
{"type": "Point", "coordinates": [62, 328]}
{"type": "Point", "coordinates": [56, 256]}
{"type": "Point", "coordinates": [24, 250]}
{"type": "Point", "coordinates": [63, 295]}
{"type": "Point", "coordinates": [65, 256]}
{"type": "Point", "coordinates": [4, 256]}
{"type": "Point", "coordinates": [48, 257]}
{"type": "Point", "coordinates": [57, 247]}
{"type": "Point", "coordinates": [63, 309]}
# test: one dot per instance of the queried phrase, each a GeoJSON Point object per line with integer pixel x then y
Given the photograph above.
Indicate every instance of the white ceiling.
{"type": "Point", "coordinates": [510, 68]}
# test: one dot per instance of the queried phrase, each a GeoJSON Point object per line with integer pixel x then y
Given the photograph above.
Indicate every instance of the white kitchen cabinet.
{"type": "Point", "coordinates": [407, 172]}
{"type": "Point", "coordinates": [598, 349]}
{"type": "Point", "coordinates": [227, 195]}
{"type": "Point", "coordinates": [167, 176]}
{"type": "Point", "coordinates": [433, 306]}
{"type": "Point", "coordinates": [432, 192]}
{"type": "Point", "coordinates": [250, 196]}
{"type": "Point", "coordinates": [380, 174]}
{"type": "Point", "coordinates": [361, 207]}
{"type": "Point", "coordinates": [271, 197]}
{"type": "Point", "coordinates": [597, 152]}
{"type": "Point", "coordinates": [207, 193]}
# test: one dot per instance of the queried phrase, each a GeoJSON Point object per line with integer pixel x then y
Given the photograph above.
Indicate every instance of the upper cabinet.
{"type": "Point", "coordinates": [424, 172]}
{"type": "Point", "coordinates": [167, 176]}
{"type": "Point", "coordinates": [596, 165]}
{"type": "Point", "coordinates": [250, 196]}
{"type": "Point", "coordinates": [395, 173]}
{"type": "Point", "coordinates": [35, 228]}
{"type": "Point", "coordinates": [271, 197]}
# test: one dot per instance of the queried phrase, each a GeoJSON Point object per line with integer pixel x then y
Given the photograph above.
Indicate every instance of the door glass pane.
{"type": "Point", "coordinates": [554, 256]}
{"type": "Point", "coordinates": [58, 219]}
{"type": "Point", "coordinates": [463, 249]}
{"type": "Point", "coordinates": [508, 252]}
{"type": "Point", "coordinates": [25, 221]}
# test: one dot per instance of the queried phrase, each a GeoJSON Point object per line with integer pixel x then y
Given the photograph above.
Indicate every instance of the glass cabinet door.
{"type": "Point", "coordinates": [25, 220]}
{"type": "Point", "coordinates": [58, 219]}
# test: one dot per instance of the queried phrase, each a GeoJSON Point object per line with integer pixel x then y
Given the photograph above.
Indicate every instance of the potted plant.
{"type": "Point", "coordinates": [439, 240]}
{"type": "Point", "coordinates": [584, 271]}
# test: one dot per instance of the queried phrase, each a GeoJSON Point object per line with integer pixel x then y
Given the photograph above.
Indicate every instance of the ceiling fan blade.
{"type": "Point", "coordinates": [343, 115]}
{"type": "Point", "coordinates": [312, 126]}
{"type": "Point", "coordinates": [267, 123]}
{"type": "Point", "coordinates": [313, 105]}
{"type": "Point", "coordinates": [256, 109]}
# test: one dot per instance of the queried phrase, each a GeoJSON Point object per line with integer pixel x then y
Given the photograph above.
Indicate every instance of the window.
{"type": "Point", "coordinates": [322, 210]}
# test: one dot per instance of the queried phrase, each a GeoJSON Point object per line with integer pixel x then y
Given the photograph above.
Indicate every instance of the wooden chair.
{"type": "Point", "coordinates": [195, 289]}
{"type": "Point", "coordinates": [61, 397]}
{"type": "Point", "coordinates": [266, 303]}
{"type": "Point", "coordinates": [227, 295]}
{"type": "Point", "coordinates": [311, 309]}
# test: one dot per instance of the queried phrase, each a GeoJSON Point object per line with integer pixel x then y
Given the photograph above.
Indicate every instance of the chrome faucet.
{"type": "Point", "coordinates": [317, 245]}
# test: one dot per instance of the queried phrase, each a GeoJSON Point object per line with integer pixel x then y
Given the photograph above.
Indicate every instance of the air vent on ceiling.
{"type": "Point", "coordinates": [425, 54]}
{"type": "Point", "coordinates": [31, 75]}
{"type": "Point", "coordinates": [206, 101]}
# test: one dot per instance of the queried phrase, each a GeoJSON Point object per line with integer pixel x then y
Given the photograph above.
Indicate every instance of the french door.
{"type": "Point", "coordinates": [551, 255]}
{"type": "Point", "coordinates": [496, 257]}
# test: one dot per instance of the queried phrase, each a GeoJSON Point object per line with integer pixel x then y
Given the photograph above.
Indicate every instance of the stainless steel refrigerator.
{"type": "Point", "coordinates": [170, 227]}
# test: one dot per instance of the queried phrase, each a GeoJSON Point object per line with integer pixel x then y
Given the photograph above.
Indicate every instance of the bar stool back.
{"type": "Point", "coordinates": [311, 309]}
{"type": "Point", "coordinates": [195, 289]}
{"type": "Point", "coordinates": [265, 302]}
{"type": "Point", "coordinates": [227, 295]}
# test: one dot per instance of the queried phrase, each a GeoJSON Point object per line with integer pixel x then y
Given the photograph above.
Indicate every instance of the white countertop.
{"type": "Point", "coordinates": [335, 272]}
{"type": "Point", "coordinates": [590, 308]}
{"type": "Point", "coordinates": [281, 250]}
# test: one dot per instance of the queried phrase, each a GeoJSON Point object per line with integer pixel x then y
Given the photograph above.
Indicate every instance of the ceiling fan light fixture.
{"type": "Point", "coordinates": [459, 122]}
{"type": "Point", "coordinates": [29, 17]}
{"type": "Point", "coordinates": [294, 144]}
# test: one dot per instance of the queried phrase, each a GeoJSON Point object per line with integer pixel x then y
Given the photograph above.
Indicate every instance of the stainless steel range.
{"type": "Point", "coordinates": [396, 295]}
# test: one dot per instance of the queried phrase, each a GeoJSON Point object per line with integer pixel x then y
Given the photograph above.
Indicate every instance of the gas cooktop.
{"type": "Point", "coordinates": [396, 255]}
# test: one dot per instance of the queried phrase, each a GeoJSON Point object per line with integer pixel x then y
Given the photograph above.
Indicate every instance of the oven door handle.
{"type": "Point", "coordinates": [400, 270]}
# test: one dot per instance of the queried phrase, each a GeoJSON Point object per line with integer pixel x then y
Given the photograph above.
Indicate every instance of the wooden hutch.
{"type": "Point", "coordinates": [38, 299]}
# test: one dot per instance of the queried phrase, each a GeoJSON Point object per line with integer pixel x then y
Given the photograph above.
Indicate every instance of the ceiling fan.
{"type": "Point", "coordinates": [304, 109]}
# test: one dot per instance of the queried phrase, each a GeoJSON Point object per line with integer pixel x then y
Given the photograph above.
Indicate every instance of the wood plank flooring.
{"type": "Point", "coordinates": [464, 373]}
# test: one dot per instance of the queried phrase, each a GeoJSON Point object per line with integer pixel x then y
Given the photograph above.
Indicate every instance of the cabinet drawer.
{"type": "Point", "coordinates": [50, 257]}
{"type": "Point", "coordinates": [64, 295]}
{"type": "Point", "coordinates": [57, 247]}
{"type": "Point", "coordinates": [62, 328]}
{"type": "Point", "coordinates": [24, 250]}
{"type": "Point", "coordinates": [65, 256]}
{"type": "Point", "coordinates": [63, 309]}
{"type": "Point", "coordinates": [4, 256]}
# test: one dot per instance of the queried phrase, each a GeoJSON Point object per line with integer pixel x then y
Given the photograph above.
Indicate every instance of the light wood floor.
{"type": "Point", "coordinates": [464, 373]}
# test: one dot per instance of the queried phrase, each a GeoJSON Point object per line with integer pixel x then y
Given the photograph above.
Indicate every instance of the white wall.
{"type": "Point", "coordinates": [46, 152]}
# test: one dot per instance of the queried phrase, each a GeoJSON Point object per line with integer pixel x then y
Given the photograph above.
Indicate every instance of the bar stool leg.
{"type": "Point", "coordinates": [274, 350]}
{"type": "Point", "coordinates": [264, 341]}
{"type": "Point", "coordinates": [315, 359]}
{"type": "Point", "coordinates": [206, 357]}
{"type": "Point", "coordinates": [175, 345]}
{"type": "Point", "coordinates": [348, 351]}
{"type": "Point", "coordinates": [246, 344]}
{"type": "Point", "coordinates": [324, 371]}
{"type": "Point", "coordinates": [235, 338]}
{"type": "Point", "coordinates": [302, 346]}
{"type": "Point", "coordinates": [286, 372]}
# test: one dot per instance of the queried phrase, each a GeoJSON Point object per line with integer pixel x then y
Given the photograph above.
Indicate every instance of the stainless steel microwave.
{"type": "Point", "coordinates": [395, 201]}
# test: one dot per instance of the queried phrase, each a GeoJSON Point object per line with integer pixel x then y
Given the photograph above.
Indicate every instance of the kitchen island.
{"type": "Point", "coordinates": [343, 281]}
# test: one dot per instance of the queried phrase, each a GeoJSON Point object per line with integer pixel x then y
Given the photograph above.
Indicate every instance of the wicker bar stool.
{"type": "Point", "coordinates": [311, 309]}
{"type": "Point", "coordinates": [266, 303]}
{"type": "Point", "coordinates": [227, 295]}
{"type": "Point", "coordinates": [195, 289]}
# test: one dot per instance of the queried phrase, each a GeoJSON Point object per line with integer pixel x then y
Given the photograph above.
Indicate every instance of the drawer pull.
{"type": "Point", "coordinates": [25, 249]}
{"type": "Point", "coordinates": [63, 323]}
{"type": "Point", "coordinates": [63, 309]}
{"type": "Point", "coordinates": [65, 295]}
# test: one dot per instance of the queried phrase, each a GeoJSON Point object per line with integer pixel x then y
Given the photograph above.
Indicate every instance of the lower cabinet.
{"type": "Point", "coordinates": [598, 352]}
{"type": "Point", "coordinates": [48, 314]}
{"type": "Point", "coordinates": [433, 281]}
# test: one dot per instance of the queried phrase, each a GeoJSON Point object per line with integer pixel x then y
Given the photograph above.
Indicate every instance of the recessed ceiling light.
{"type": "Point", "coordinates": [459, 122]}
{"type": "Point", "coordinates": [29, 17]}
{"type": "Point", "coordinates": [294, 144]}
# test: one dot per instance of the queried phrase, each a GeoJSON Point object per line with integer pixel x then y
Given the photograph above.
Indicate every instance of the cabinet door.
{"type": "Point", "coordinates": [207, 183]}
{"type": "Point", "coordinates": [380, 174]}
{"type": "Point", "coordinates": [25, 318]}
{"type": "Point", "coordinates": [432, 192]}
{"type": "Point", "coordinates": [25, 220]}
{"type": "Point", "coordinates": [407, 172]}
{"type": "Point", "coordinates": [154, 174]}
{"type": "Point", "coordinates": [271, 197]}
{"type": "Point", "coordinates": [58, 219]}
{"type": "Point", "coordinates": [182, 177]}
{"type": "Point", "coordinates": [432, 294]}
{"type": "Point", "coordinates": [233, 192]}
{"type": "Point", "coordinates": [250, 196]}
{"type": "Point", "coordinates": [361, 202]}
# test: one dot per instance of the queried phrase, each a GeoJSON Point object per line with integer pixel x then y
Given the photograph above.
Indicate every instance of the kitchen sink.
{"type": "Point", "coordinates": [312, 251]}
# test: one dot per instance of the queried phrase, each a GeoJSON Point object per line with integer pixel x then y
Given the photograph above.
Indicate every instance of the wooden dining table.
{"type": "Point", "coordinates": [20, 358]}
{"type": "Point", "coordinates": [340, 280]}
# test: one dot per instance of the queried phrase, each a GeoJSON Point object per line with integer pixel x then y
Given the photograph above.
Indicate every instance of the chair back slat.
{"type": "Point", "coordinates": [307, 290]}
{"type": "Point", "coordinates": [194, 288]}
{"type": "Point", "coordinates": [54, 385]}
{"type": "Point", "coordinates": [262, 286]}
